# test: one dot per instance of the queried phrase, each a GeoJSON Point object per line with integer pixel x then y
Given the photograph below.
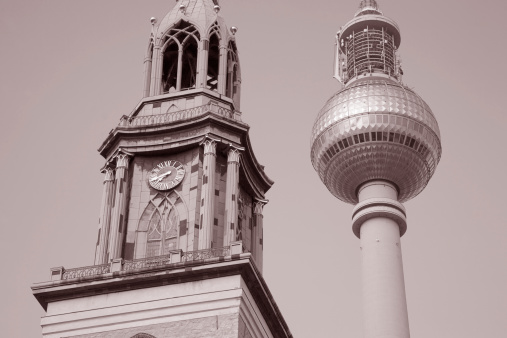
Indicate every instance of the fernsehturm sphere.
{"type": "Point", "coordinates": [376, 144]}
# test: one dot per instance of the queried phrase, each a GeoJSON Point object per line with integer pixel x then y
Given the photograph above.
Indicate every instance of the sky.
{"type": "Point", "coordinates": [71, 68]}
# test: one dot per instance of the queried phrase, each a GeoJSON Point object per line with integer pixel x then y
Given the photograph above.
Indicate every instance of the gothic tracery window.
{"type": "Point", "coordinates": [179, 69]}
{"type": "Point", "coordinates": [158, 227]}
{"type": "Point", "coordinates": [162, 231]}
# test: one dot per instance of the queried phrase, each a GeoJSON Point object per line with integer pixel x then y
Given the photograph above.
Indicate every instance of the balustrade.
{"type": "Point", "coordinates": [180, 115]}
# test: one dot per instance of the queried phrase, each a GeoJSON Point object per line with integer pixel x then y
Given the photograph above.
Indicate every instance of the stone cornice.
{"type": "Point", "coordinates": [239, 264]}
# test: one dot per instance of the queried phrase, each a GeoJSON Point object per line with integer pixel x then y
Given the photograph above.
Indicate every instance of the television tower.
{"type": "Point", "coordinates": [376, 144]}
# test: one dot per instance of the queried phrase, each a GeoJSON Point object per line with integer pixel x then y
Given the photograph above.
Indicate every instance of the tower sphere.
{"type": "Point", "coordinates": [375, 128]}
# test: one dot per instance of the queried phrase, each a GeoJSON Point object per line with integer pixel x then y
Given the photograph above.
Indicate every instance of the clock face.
{"type": "Point", "coordinates": [166, 175]}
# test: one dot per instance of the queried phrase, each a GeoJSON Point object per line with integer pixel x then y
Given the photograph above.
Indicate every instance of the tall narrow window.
{"type": "Point", "coordinates": [170, 68]}
{"type": "Point", "coordinates": [213, 63]}
{"type": "Point", "coordinates": [189, 64]}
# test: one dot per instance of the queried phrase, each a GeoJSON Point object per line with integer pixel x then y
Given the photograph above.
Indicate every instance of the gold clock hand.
{"type": "Point", "coordinates": [160, 177]}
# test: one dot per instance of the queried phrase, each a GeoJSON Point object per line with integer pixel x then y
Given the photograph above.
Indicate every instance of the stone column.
{"type": "Point", "coordinates": [207, 195]}
{"type": "Point", "coordinates": [379, 221]}
{"type": "Point", "coordinates": [257, 232]}
{"type": "Point", "coordinates": [156, 71]}
{"type": "Point", "coordinates": [118, 219]}
{"type": "Point", "coordinates": [147, 72]}
{"type": "Point", "coordinates": [231, 195]}
{"type": "Point", "coordinates": [179, 69]}
{"type": "Point", "coordinates": [203, 66]}
{"type": "Point", "coordinates": [105, 217]}
{"type": "Point", "coordinates": [222, 70]}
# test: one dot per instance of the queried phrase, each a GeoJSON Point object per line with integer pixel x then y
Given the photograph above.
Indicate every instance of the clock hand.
{"type": "Point", "coordinates": [159, 178]}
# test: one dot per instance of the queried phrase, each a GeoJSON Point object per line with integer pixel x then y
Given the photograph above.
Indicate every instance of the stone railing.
{"type": "Point", "coordinates": [150, 120]}
{"type": "Point", "coordinates": [117, 265]}
{"type": "Point", "coordinates": [86, 271]}
{"type": "Point", "coordinates": [205, 254]}
{"type": "Point", "coordinates": [143, 263]}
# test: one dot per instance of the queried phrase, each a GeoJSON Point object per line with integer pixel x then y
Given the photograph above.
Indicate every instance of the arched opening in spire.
{"type": "Point", "coordinates": [213, 62]}
{"type": "Point", "coordinates": [179, 65]}
{"type": "Point", "coordinates": [170, 67]}
{"type": "Point", "coordinates": [189, 64]}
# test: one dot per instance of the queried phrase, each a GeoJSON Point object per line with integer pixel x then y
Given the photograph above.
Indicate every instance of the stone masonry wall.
{"type": "Point", "coordinates": [222, 326]}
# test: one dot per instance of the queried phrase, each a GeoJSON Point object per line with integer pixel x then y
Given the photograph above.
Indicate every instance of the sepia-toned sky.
{"type": "Point", "coordinates": [71, 68]}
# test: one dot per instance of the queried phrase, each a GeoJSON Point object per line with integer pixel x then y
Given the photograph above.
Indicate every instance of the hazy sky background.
{"type": "Point", "coordinates": [71, 68]}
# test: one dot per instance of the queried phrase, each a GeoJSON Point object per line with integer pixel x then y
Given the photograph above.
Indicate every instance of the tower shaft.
{"type": "Point", "coordinates": [384, 301]}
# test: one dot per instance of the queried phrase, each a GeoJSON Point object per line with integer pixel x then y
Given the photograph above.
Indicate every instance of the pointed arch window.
{"type": "Point", "coordinates": [179, 66]}
{"type": "Point", "coordinates": [213, 57]}
{"type": "Point", "coordinates": [162, 229]}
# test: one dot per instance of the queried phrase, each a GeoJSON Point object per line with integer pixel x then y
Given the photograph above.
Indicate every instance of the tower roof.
{"type": "Point", "coordinates": [201, 13]}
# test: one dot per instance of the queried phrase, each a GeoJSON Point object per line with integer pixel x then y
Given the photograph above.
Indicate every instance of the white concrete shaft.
{"type": "Point", "coordinates": [384, 300]}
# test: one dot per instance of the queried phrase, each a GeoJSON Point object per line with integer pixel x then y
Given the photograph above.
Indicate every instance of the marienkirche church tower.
{"type": "Point", "coordinates": [179, 244]}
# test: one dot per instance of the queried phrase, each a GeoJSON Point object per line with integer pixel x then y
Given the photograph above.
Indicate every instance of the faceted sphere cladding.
{"type": "Point", "coordinates": [375, 128]}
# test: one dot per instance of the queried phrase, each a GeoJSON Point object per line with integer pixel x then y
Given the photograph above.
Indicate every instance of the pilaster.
{"type": "Point", "coordinates": [207, 194]}
{"type": "Point", "coordinates": [257, 232]}
{"type": "Point", "coordinates": [231, 195]}
{"type": "Point", "coordinates": [222, 70]}
{"type": "Point", "coordinates": [203, 64]}
{"type": "Point", "coordinates": [147, 73]}
{"type": "Point", "coordinates": [105, 217]}
{"type": "Point", "coordinates": [179, 69]}
{"type": "Point", "coordinates": [156, 71]}
{"type": "Point", "coordinates": [118, 214]}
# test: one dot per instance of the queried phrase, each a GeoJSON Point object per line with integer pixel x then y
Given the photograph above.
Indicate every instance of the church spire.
{"type": "Point", "coordinates": [192, 48]}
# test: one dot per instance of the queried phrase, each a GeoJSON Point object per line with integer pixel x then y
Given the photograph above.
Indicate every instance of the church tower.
{"type": "Point", "coordinates": [180, 239]}
{"type": "Point", "coordinates": [376, 144]}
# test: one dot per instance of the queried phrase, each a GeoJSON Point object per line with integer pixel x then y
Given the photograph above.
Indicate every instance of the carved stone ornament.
{"type": "Point", "coordinates": [210, 147]}
{"type": "Point", "coordinates": [258, 206]}
{"type": "Point", "coordinates": [233, 155]}
{"type": "Point", "coordinates": [122, 161]}
{"type": "Point", "coordinates": [108, 174]}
